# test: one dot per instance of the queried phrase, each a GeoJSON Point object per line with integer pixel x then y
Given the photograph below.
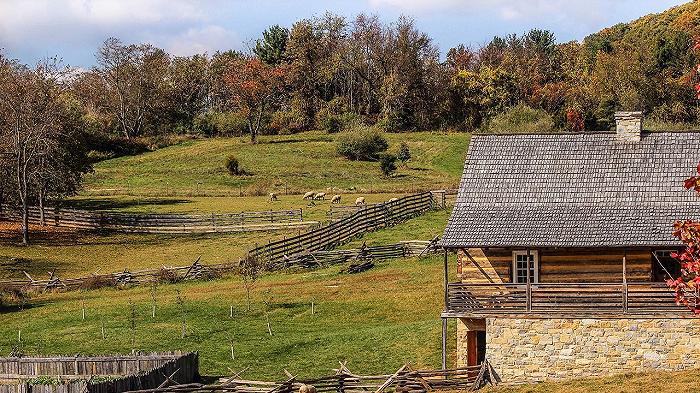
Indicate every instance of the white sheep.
{"type": "Point", "coordinates": [320, 195]}
{"type": "Point", "coordinates": [360, 201]}
{"type": "Point", "coordinates": [335, 199]}
{"type": "Point", "coordinates": [392, 200]}
{"type": "Point", "coordinates": [309, 195]}
{"type": "Point", "coordinates": [273, 197]}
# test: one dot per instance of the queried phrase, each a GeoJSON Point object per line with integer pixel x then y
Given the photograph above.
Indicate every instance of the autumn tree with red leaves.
{"type": "Point", "coordinates": [255, 88]}
{"type": "Point", "coordinates": [687, 286]}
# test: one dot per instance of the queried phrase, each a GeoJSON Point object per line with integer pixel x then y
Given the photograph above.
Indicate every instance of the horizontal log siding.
{"type": "Point", "coordinates": [559, 265]}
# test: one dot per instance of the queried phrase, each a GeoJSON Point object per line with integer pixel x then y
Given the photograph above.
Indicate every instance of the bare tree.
{"type": "Point", "coordinates": [37, 130]}
{"type": "Point", "coordinates": [133, 75]}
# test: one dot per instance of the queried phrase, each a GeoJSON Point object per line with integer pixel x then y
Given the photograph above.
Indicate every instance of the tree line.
{"type": "Point", "coordinates": [333, 73]}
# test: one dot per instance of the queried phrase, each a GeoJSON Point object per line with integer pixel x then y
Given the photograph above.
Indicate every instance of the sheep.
{"type": "Point", "coordinates": [309, 195]}
{"type": "Point", "coordinates": [273, 197]}
{"type": "Point", "coordinates": [335, 199]}
{"type": "Point", "coordinates": [320, 195]}
{"type": "Point", "coordinates": [392, 200]}
{"type": "Point", "coordinates": [360, 201]}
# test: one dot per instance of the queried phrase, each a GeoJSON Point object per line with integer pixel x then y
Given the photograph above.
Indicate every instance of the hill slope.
{"type": "Point", "coordinates": [297, 163]}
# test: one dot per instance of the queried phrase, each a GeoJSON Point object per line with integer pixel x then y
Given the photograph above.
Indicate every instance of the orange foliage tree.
{"type": "Point", "coordinates": [255, 89]}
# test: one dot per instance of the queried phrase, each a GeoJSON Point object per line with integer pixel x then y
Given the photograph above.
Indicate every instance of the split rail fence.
{"type": "Point", "coordinates": [404, 380]}
{"type": "Point", "coordinates": [275, 254]}
{"type": "Point", "coordinates": [164, 223]}
{"type": "Point", "coordinates": [115, 374]}
{"type": "Point", "coordinates": [198, 271]}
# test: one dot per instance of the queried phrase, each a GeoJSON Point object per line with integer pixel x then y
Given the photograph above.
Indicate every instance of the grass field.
{"type": "Point", "coordinates": [72, 253]}
{"type": "Point", "coordinates": [296, 163]}
{"type": "Point", "coordinates": [316, 211]}
{"type": "Point", "coordinates": [376, 320]}
{"type": "Point", "coordinates": [680, 381]}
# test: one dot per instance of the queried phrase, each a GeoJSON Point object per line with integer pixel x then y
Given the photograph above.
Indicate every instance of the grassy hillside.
{"type": "Point", "coordinates": [297, 163]}
{"type": "Point", "coordinates": [376, 320]}
{"type": "Point", "coordinates": [72, 253]}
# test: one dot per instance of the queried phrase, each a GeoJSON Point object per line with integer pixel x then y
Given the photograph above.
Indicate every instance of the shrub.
{"type": "Point", "coordinates": [521, 119]}
{"type": "Point", "coordinates": [220, 123]}
{"type": "Point", "coordinates": [97, 282]}
{"type": "Point", "coordinates": [404, 153]}
{"type": "Point", "coordinates": [232, 166]}
{"type": "Point", "coordinates": [333, 116]}
{"type": "Point", "coordinates": [387, 163]}
{"type": "Point", "coordinates": [167, 276]}
{"type": "Point", "coordinates": [286, 122]}
{"type": "Point", "coordinates": [362, 144]}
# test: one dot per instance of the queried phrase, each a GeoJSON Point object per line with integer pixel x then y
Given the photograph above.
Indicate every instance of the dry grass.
{"type": "Point", "coordinates": [680, 381]}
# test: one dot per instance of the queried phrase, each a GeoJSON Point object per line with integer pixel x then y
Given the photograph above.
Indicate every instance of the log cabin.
{"type": "Point", "coordinates": [562, 246]}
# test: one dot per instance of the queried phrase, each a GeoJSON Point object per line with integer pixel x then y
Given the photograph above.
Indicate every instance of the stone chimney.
{"type": "Point", "coordinates": [629, 126]}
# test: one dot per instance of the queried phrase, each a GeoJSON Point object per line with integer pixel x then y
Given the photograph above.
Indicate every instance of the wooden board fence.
{"type": "Point", "coordinates": [164, 223]}
{"type": "Point", "coordinates": [126, 373]}
{"type": "Point", "coordinates": [365, 220]}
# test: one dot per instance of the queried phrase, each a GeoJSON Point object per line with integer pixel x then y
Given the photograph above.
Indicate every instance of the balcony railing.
{"type": "Point", "coordinates": [564, 299]}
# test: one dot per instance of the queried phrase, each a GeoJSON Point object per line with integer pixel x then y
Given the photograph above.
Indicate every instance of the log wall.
{"type": "Point", "coordinates": [557, 265]}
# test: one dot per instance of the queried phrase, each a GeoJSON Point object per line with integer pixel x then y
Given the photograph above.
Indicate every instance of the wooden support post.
{"type": "Point", "coordinates": [624, 283]}
{"type": "Point", "coordinates": [446, 282]}
{"type": "Point", "coordinates": [444, 343]}
{"type": "Point", "coordinates": [444, 320]}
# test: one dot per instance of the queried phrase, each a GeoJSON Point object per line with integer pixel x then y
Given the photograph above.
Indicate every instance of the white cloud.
{"type": "Point", "coordinates": [508, 10]}
{"type": "Point", "coordinates": [184, 26]}
{"type": "Point", "coordinates": [199, 40]}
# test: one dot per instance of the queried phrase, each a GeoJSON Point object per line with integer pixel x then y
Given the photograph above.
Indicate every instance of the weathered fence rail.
{"type": "Point", "coordinates": [194, 271]}
{"type": "Point", "coordinates": [333, 257]}
{"type": "Point", "coordinates": [125, 373]}
{"type": "Point", "coordinates": [198, 270]}
{"type": "Point", "coordinates": [337, 232]}
{"type": "Point", "coordinates": [164, 223]}
{"type": "Point", "coordinates": [405, 380]}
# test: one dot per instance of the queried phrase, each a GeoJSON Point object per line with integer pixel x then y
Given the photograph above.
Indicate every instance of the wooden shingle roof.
{"type": "Point", "coordinates": [574, 190]}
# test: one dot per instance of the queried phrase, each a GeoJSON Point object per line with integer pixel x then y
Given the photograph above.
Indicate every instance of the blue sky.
{"type": "Point", "coordinates": [73, 29]}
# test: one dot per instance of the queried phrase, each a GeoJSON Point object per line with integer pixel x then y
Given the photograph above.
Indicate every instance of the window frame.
{"type": "Point", "coordinates": [535, 278]}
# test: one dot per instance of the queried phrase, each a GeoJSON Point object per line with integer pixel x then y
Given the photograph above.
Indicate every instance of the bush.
{"type": "Point", "coordinates": [521, 119]}
{"type": "Point", "coordinates": [97, 282]}
{"type": "Point", "coordinates": [286, 122]}
{"type": "Point", "coordinates": [232, 166]}
{"type": "Point", "coordinates": [220, 123]}
{"type": "Point", "coordinates": [387, 163]}
{"type": "Point", "coordinates": [362, 144]}
{"type": "Point", "coordinates": [404, 153]}
{"type": "Point", "coordinates": [167, 276]}
{"type": "Point", "coordinates": [333, 116]}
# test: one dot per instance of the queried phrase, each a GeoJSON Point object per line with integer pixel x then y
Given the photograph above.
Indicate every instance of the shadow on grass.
{"type": "Point", "coordinates": [28, 305]}
{"type": "Point", "coordinates": [112, 204]}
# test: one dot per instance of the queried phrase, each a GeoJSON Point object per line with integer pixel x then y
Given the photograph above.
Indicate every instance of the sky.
{"type": "Point", "coordinates": [73, 29]}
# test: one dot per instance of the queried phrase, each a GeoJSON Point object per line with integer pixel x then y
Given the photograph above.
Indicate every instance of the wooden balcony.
{"type": "Point", "coordinates": [578, 300]}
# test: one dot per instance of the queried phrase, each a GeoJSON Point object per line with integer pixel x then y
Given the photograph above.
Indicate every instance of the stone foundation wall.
{"type": "Point", "coordinates": [531, 350]}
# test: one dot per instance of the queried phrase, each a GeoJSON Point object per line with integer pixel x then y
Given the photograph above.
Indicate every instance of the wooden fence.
{"type": "Point", "coordinates": [337, 232]}
{"type": "Point", "coordinates": [405, 380]}
{"type": "Point", "coordinates": [317, 259]}
{"type": "Point", "coordinates": [339, 212]}
{"type": "Point", "coordinates": [123, 373]}
{"type": "Point", "coordinates": [197, 270]}
{"type": "Point", "coordinates": [194, 271]}
{"type": "Point", "coordinates": [164, 223]}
